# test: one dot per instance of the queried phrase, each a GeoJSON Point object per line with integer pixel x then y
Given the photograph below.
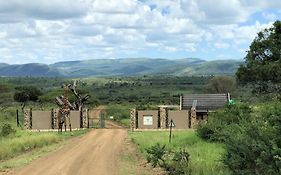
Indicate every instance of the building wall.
{"type": "Point", "coordinates": [41, 120]}
{"type": "Point", "coordinates": [148, 119]}
{"type": "Point", "coordinates": [180, 119]}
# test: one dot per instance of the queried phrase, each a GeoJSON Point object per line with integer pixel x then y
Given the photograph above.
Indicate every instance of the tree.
{"type": "Point", "coordinates": [79, 102]}
{"type": "Point", "coordinates": [263, 60]}
{"type": "Point", "coordinates": [221, 84]}
{"type": "Point", "coordinates": [26, 93]}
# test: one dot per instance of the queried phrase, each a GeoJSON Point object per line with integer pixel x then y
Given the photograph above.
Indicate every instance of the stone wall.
{"type": "Point", "coordinates": [160, 119]}
{"type": "Point", "coordinates": [44, 120]}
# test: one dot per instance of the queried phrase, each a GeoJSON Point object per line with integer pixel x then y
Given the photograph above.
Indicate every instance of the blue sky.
{"type": "Point", "coordinates": [49, 31]}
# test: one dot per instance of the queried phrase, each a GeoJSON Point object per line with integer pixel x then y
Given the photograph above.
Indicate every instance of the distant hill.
{"type": "Point", "coordinates": [32, 69]}
{"type": "Point", "coordinates": [122, 67]}
{"type": "Point", "coordinates": [217, 67]}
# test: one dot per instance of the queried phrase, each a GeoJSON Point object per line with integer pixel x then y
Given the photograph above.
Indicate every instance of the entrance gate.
{"type": "Point", "coordinates": [97, 118]}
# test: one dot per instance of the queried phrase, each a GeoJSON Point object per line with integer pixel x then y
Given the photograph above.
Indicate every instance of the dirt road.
{"type": "Point", "coordinates": [95, 153]}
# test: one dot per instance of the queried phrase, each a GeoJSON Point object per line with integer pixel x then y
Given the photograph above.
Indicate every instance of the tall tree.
{"type": "Point", "coordinates": [263, 60]}
{"type": "Point", "coordinates": [221, 84]}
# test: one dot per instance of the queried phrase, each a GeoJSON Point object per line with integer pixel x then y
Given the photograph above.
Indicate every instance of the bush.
{"type": "Point", "coordinates": [175, 163]}
{"type": "Point", "coordinates": [179, 163]}
{"type": "Point", "coordinates": [205, 131]}
{"type": "Point", "coordinates": [221, 84]}
{"type": "Point", "coordinates": [254, 147]}
{"type": "Point", "coordinates": [215, 128]}
{"type": "Point", "coordinates": [155, 155]}
{"type": "Point", "coordinates": [7, 130]}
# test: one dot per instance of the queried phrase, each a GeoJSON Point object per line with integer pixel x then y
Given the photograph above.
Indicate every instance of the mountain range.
{"type": "Point", "coordinates": [123, 67]}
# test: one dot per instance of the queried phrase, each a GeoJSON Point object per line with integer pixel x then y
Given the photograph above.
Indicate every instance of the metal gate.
{"type": "Point", "coordinates": [97, 118]}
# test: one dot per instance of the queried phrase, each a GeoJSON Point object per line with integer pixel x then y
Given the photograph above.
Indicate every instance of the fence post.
{"type": "Point", "coordinates": [52, 118]}
{"type": "Point", "coordinates": [18, 122]}
{"type": "Point", "coordinates": [88, 122]}
{"type": "Point", "coordinates": [81, 117]}
{"type": "Point", "coordinates": [30, 114]}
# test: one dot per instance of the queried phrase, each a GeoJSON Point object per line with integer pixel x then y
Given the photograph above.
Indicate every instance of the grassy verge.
{"type": "Point", "coordinates": [24, 142]}
{"type": "Point", "coordinates": [26, 158]}
{"type": "Point", "coordinates": [205, 157]}
{"type": "Point", "coordinates": [131, 162]}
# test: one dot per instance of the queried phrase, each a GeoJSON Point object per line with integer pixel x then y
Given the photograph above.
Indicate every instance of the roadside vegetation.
{"type": "Point", "coordinates": [204, 157]}
{"type": "Point", "coordinates": [251, 130]}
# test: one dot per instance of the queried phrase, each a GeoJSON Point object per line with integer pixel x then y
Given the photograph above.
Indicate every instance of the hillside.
{"type": "Point", "coordinates": [122, 67]}
{"type": "Point", "coordinates": [217, 67]}
{"type": "Point", "coordinates": [32, 69]}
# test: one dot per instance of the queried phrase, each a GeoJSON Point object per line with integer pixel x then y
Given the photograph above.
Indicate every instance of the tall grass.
{"type": "Point", "coordinates": [11, 147]}
{"type": "Point", "coordinates": [205, 157]}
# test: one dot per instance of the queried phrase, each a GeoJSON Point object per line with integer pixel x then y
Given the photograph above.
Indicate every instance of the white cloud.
{"type": "Point", "coordinates": [221, 45]}
{"type": "Point", "coordinates": [114, 7]}
{"type": "Point", "coordinates": [43, 9]}
{"type": "Point", "coordinates": [55, 30]}
{"type": "Point", "coordinates": [269, 16]}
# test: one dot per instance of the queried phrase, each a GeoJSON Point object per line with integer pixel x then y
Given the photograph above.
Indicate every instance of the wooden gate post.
{"type": "Point", "coordinates": [133, 119]}
{"type": "Point", "coordinates": [18, 122]}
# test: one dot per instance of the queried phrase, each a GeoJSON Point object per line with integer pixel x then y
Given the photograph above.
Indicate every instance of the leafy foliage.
{"type": "Point", "coordinates": [252, 137]}
{"type": "Point", "coordinates": [263, 60]}
{"type": "Point", "coordinates": [27, 93]}
{"type": "Point", "coordinates": [179, 164]}
{"type": "Point", "coordinates": [221, 84]}
{"type": "Point", "coordinates": [155, 154]}
{"type": "Point", "coordinates": [255, 147]}
{"type": "Point", "coordinates": [175, 162]}
{"type": "Point", "coordinates": [215, 128]}
{"type": "Point", "coordinates": [7, 130]}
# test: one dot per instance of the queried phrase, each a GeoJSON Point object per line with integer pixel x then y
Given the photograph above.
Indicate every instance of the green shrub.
{"type": "Point", "coordinates": [255, 146]}
{"type": "Point", "coordinates": [155, 155]}
{"type": "Point", "coordinates": [175, 163]}
{"type": "Point", "coordinates": [7, 130]}
{"type": "Point", "coordinates": [205, 131]}
{"type": "Point", "coordinates": [179, 164]}
{"type": "Point", "coordinates": [215, 128]}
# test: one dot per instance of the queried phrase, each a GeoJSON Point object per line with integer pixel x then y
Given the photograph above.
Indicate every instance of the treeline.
{"type": "Point", "coordinates": [118, 90]}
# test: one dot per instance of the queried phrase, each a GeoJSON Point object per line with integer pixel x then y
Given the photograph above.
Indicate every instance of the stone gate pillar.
{"type": "Point", "coordinates": [55, 118]}
{"type": "Point", "coordinates": [27, 119]}
{"type": "Point", "coordinates": [163, 117]}
{"type": "Point", "coordinates": [193, 120]}
{"type": "Point", "coordinates": [133, 114]}
{"type": "Point", "coordinates": [85, 117]}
